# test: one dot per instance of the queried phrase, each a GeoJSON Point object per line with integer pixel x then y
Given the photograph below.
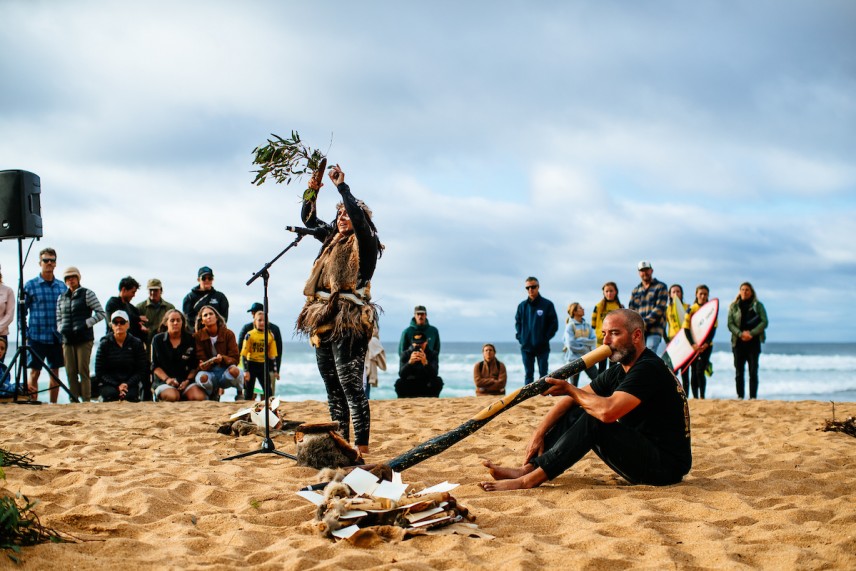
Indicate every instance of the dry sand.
{"type": "Point", "coordinates": [143, 487]}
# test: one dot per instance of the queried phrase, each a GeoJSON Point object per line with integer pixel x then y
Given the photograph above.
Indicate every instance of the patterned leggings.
{"type": "Point", "coordinates": [341, 364]}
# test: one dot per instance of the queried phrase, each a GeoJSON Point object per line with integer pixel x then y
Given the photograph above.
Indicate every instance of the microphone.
{"type": "Point", "coordinates": [316, 232]}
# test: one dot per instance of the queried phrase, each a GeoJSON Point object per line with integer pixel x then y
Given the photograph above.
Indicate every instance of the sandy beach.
{"type": "Point", "coordinates": [142, 486]}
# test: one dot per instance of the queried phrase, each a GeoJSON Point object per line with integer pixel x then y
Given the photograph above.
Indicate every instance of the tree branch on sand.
{"type": "Point", "coordinates": [847, 426]}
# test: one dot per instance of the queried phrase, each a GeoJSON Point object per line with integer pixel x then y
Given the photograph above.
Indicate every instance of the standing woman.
{"type": "Point", "coordinates": [77, 311]}
{"type": "Point", "coordinates": [338, 316]}
{"type": "Point", "coordinates": [700, 364]}
{"type": "Point", "coordinates": [676, 313]}
{"type": "Point", "coordinates": [7, 308]}
{"type": "Point", "coordinates": [579, 339]}
{"type": "Point", "coordinates": [609, 303]}
{"type": "Point", "coordinates": [747, 321]}
{"type": "Point", "coordinates": [174, 361]}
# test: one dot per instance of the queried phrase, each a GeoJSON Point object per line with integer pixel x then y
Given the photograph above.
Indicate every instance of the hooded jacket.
{"type": "Point", "coordinates": [432, 335]}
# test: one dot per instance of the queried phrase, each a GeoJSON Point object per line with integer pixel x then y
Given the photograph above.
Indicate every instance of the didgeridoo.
{"type": "Point", "coordinates": [439, 443]}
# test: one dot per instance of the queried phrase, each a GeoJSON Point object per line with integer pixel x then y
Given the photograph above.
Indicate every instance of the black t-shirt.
{"type": "Point", "coordinates": [663, 416]}
{"type": "Point", "coordinates": [177, 362]}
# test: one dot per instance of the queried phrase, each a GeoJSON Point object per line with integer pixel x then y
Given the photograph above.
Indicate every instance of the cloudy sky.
{"type": "Point", "coordinates": [493, 140]}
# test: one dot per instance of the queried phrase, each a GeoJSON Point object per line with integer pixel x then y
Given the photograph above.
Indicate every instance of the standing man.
{"type": "Point", "coordinates": [634, 417]}
{"type": "Point", "coordinates": [138, 327]}
{"type": "Point", "coordinates": [41, 294]}
{"type": "Point", "coordinates": [77, 311]}
{"type": "Point", "coordinates": [419, 324]}
{"type": "Point", "coordinates": [202, 295]}
{"type": "Point", "coordinates": [154, 309]}
{"type": "Point", "coordinates": [536, 323]}
{"type": "Point", "coordinates": [649, 299]}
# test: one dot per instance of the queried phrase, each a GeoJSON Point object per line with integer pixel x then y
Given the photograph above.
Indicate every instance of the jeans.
{"type": "Point", "coordinates": [746, 354]}
{"type": "Point", "coordinates": [529, 364]}
{"type": "Point", "coordinates": [652, 341]}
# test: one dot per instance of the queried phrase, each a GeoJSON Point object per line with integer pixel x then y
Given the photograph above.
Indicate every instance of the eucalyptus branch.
{"type": "Point", "coordinates": [285, 159]}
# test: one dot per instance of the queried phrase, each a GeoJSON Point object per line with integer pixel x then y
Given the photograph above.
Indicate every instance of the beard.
{"type": "Point", "coordinates": [623, 354]}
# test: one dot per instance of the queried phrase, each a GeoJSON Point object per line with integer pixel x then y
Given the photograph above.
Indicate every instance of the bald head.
{"type": "Point", "coordinates": [624, 333]}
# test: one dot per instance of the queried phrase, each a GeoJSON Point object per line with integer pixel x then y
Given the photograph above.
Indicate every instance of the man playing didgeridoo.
{"type": "Point", "coordinates": [338, 315]}
{"type": "Point", "coordinates": [635, 417]}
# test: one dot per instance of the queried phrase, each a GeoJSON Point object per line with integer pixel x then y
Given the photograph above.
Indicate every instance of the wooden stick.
{"type": "Point", "coordinates": [440, 443]}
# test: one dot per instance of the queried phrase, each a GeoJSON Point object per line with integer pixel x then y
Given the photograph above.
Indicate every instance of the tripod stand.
{"type": "Point", "coordinates": [267, 444]}
{"type": "Point", "coordinates": [23, 348]}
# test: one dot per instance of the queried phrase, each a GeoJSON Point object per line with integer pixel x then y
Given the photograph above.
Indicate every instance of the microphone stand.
{"type": "Point", "coordinates": [267, 443]}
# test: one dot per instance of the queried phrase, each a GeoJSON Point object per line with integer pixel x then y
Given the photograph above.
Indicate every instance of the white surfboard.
{"type": "Point", "coordinates": [679, 352]}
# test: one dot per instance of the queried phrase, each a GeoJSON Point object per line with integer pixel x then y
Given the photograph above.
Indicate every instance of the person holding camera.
{"type": "Point", "coordinates": [417, 372]}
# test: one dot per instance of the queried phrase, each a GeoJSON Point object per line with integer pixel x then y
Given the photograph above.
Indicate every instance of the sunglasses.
{"type": "Point", "coordinates": [207, 278]}
{"type": "Point", "coordinates": [49, 260]}
{"type": "Point", "coordinates": [532, 287]}
{"type": "Point", "coordinates": [119, 322]}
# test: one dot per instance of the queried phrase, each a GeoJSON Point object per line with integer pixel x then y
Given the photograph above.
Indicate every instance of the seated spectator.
{"type": "Point", "coordinates": [419, 324]}
{"type": "Point", "coordinates": [277, 337]}
{"type": "Point", "coordinates": [253, 355]}
{"type": "Point", "coordinates": [7, 383]}
{"type": "Point", "coordinates": [418, 371]}
{"type": "Point", "coordinates": [174, 361]}
{"type": "Point", "coordinates": [490, 375]}
{"type": "Point", "coordinates": [121, 367]}
{"type": "Point", "coordinates": [204, 294]}
{"type": "Point", "coordinates": [217, 350]}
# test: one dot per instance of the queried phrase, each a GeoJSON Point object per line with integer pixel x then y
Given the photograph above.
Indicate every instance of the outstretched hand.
{"type": "Point", "coordinates": [337, 175]}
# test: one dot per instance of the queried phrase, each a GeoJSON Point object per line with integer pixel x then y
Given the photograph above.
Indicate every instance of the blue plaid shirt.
{"type": "Point", "coordinates": [42, 296]}
{"type": "Point", "coordinates": [651, 305]}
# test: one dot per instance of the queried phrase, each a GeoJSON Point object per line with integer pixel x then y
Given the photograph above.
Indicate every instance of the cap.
{"type": "Point", "coordinates": [418, 338]}
{"type": "Point", "coordinates": [71, 271]}
{"type": "Point", "coordinates": [256, 307]}
{"type": "Point", "coordinates": [154, 283]}
{"type": "Point", "coordinates": [420, 309]}
{"type": "Point", "coordinates": [121, 314]}
{"type": "Point", "coordinates": [205, 271]}
{"type": "Point", "coordinates": [643, 265]}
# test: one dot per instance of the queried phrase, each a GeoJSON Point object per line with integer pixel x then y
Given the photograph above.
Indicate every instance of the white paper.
{"type": "Point", "coordinates": [311, 496]}
{"type": "Point", "coordinates": [360, 481]}
{"type": "Point", "coordinates": [346, 532]}
{"type": "Point", "coordinates": [351, 514]}
{"type": "Point", "coordinates": [396, 478]}
{"type": "Point", "coordinates": [274, 404]}
{"type": "Point", "coordinates": [389, 491]}
{"type": "Point", "coordinates": [430, 521]}
{"type": "Point", "coordinates": [423, 514]}
{"type": "Point", "coordinates": [240, 413]}
{"type": "Point", "coordinates": [259, 420]}
{"type": "Point", "coordinates": [442, 487]}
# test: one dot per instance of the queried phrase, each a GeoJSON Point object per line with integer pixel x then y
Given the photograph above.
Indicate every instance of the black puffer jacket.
{"type": "Point", "coordinates": [115, 365]}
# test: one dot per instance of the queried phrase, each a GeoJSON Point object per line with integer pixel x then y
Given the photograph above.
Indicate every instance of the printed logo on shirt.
{"type": "Point", "coordinates": [539, 313]}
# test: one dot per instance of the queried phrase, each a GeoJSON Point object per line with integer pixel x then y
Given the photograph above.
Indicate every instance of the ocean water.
{"type": "Point", "coordinates": [788, 371]}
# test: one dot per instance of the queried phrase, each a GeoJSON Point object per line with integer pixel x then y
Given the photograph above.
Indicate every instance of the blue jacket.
{"type": "Point", "coordinates": [536, 323]}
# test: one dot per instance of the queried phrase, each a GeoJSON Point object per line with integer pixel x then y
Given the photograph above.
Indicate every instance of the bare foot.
{"type": "Point", "coordinates": [502, 473]}
{"type": "Point", "coordinates": [363, 449]}
{"type": "Point", "coordinates": [531, 480]}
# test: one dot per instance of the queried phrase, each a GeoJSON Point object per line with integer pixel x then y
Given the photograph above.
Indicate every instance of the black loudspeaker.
{"type": "Point", "coordinates": [20, 205]}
